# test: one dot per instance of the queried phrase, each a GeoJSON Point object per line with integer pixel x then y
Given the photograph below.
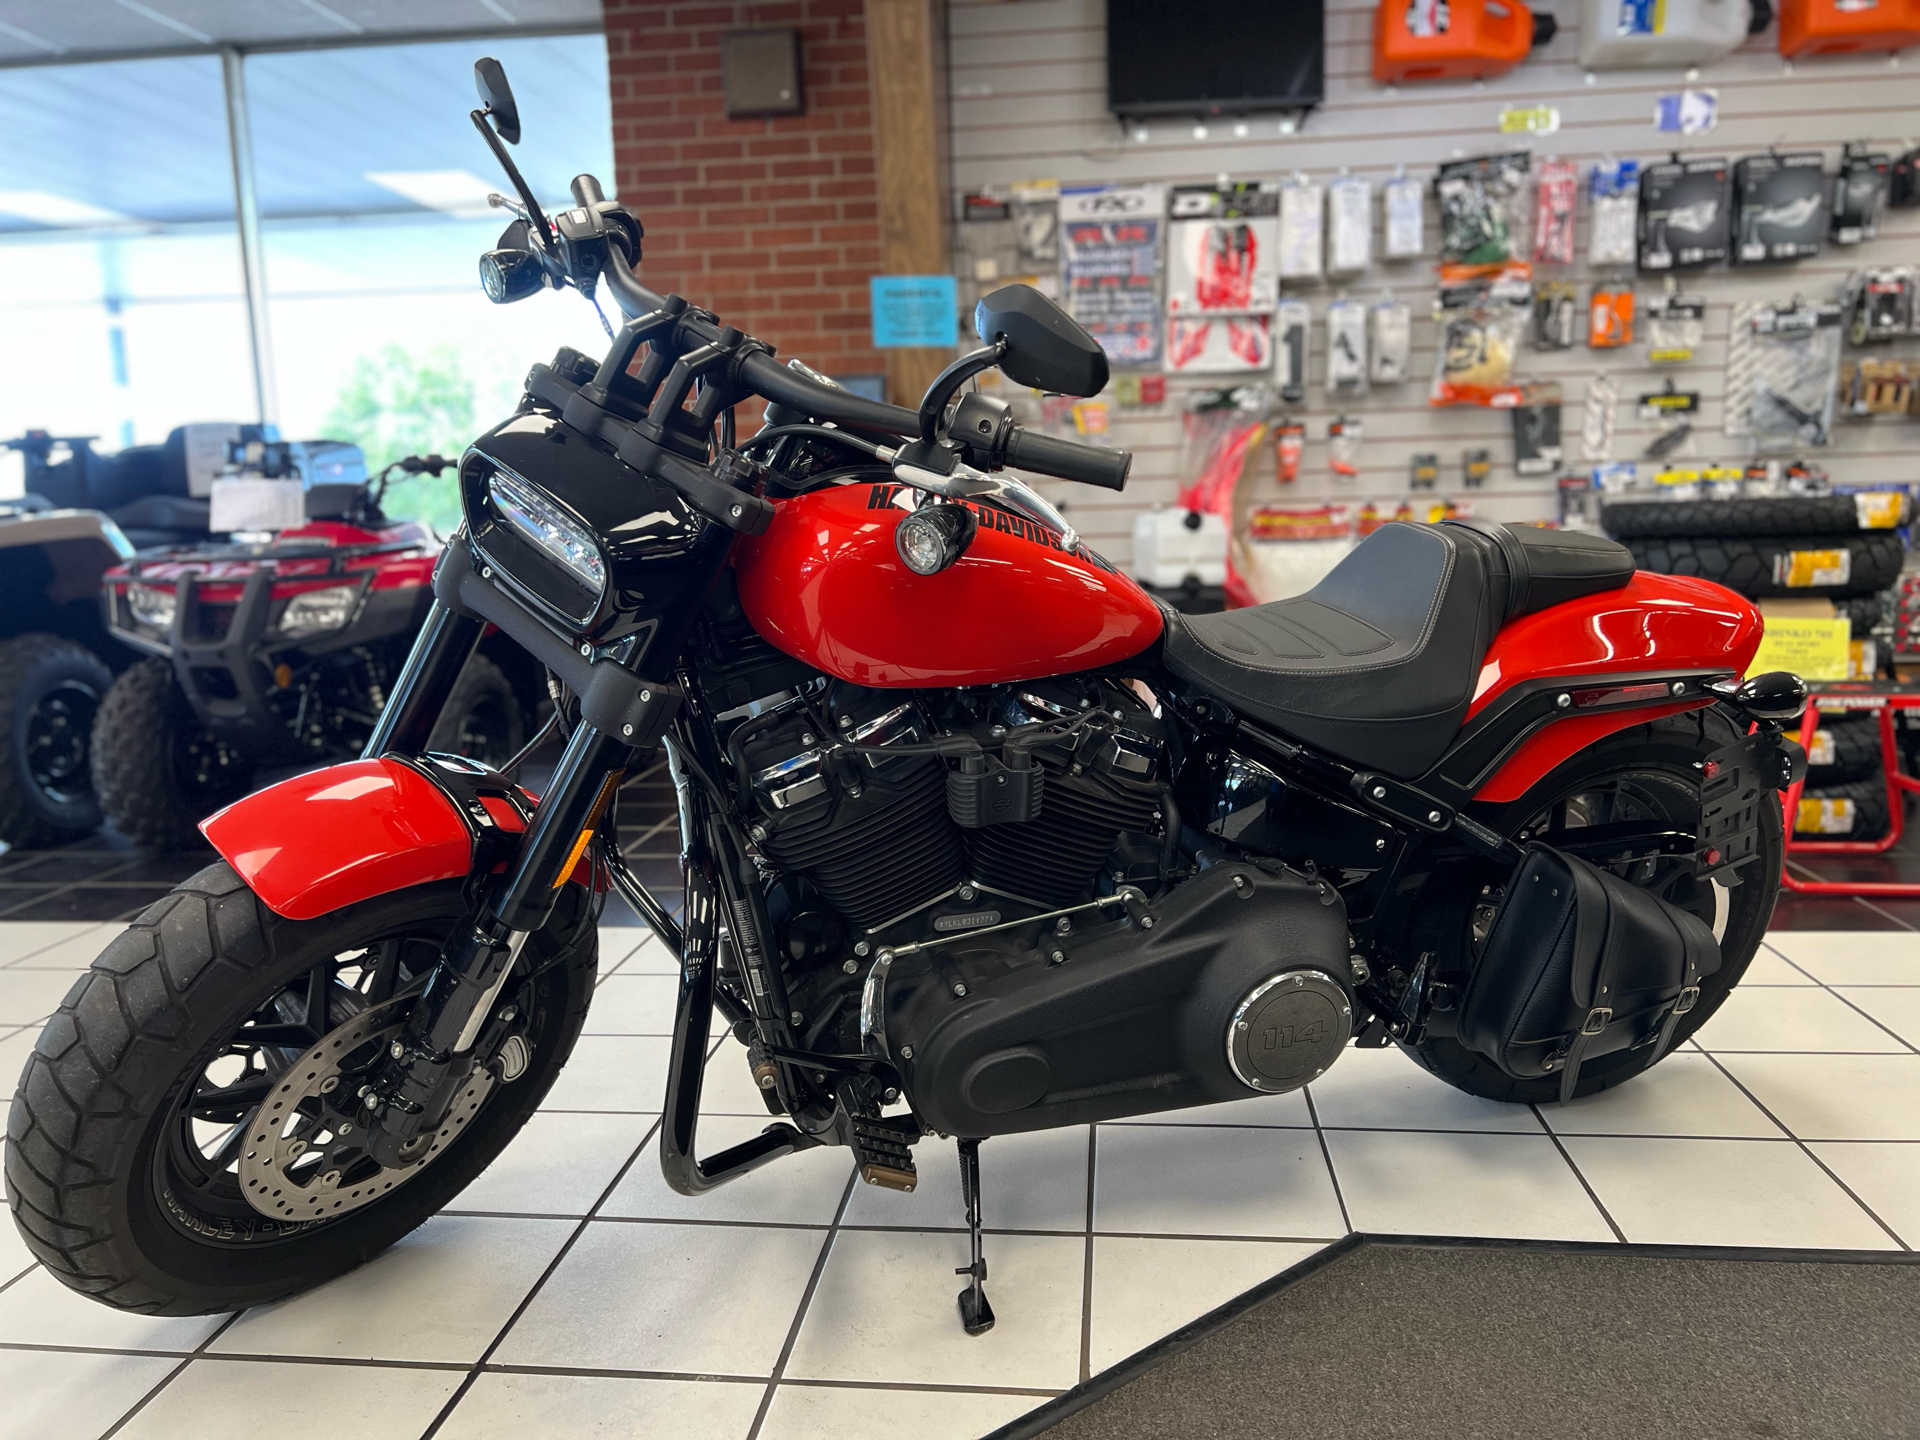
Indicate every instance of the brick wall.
{"type": "Point", "coordinates": [772, 223]}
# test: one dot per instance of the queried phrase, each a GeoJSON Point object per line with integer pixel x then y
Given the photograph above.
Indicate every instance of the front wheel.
{"type": "Point", "coordinates": [1647, 778]}
{"type": "Point", "coordinates": [213, 1052]}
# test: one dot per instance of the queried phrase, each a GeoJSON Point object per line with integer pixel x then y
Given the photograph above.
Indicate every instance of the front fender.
{"type": "Point", "coordinates": [340, 835]}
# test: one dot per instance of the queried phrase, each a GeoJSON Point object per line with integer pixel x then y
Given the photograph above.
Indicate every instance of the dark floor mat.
{"type": "Point", "coordinates": [1396, 1337]}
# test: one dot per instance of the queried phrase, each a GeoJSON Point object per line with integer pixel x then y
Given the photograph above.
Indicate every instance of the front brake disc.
{"type": "Point", "coordinates": [305, 1157]}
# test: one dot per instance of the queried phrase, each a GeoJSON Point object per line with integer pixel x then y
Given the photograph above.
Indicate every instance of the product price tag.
{"type": "Point", "coordinates": [1812, 649]}
{"type": "Point", "coordinates": [1529, 120]}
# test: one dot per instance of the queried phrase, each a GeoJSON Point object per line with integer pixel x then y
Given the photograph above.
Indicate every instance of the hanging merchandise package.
{"type": "Point", "coordinates": [1110, 268]}
{"type": "Point", "coordinates": [1302, 204]}
{"type": "Point", "coordinates": [1391, 354]}
{"type": "Point", "coordinates": [1536, 429]}
{"type": "Point", "coordinates": [1596, 424]}
{"type": "Point", "coordinates": [1290, 324]}
{"type": "Point", "coordinates": [1556, 315]}
{"type": "Point", "coordinates": [1613, 198]}
{"type": "Point", "coordinates": [1481, 320]}
{"type": "Point", "coordinates": [1346, 349]}
{"type": "Point", "coordinates": [1903, 181]}
{"type": "Point", "coordinates": [1423, 470]}
{"type": "Point", "coordinates": [1880, 304]}
{"type": "Point", "coordinates": [1220, 428]}
{"type": "Point", "coordinates": [1877, 387]}
{"type": "Point", "coordinates": [1685, 219]}
{"type": "Point", "coordinates": [1477, 199]}
{"type": "Point", "coordinates": [1789, 359]}
{"type": "Point", "coordinates": [1349, 225]}
{"type": "Point", "coordinates": [1475, 466]}
{"type": "Point", "coordinates": [1673, 413]}
{"type": "Point", "coordinates": [1343, 447]}
{"type": "Point", "coordinates": [1222, 249]}
{"type": "Point", "coordinates": [1675, 325]}
{"type": "Point", "coordinates": [1289, 440]}
{"type": "Point", "coordinates": [1778, 205]}
{"type": "Point", "coordinates": [1403, 201]}
{"type": "Point", "coordinates": [1220, 345]}
{"type": "Point", "coordinates": [1035, 209]}
{"type": "Point", "coordinates": [1859, 191]}
{"type": "Point", "coordinates": [1610, 317]}
{"type": "Point", "coordinates": [1556, 182]}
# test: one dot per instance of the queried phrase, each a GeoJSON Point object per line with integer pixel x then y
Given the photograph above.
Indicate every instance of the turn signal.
{"type": "Point", "coordinates": [934, 536]}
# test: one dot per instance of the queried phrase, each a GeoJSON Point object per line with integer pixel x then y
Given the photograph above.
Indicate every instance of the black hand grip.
{"type": "Point", "coordinates": [587, 191]}
{"type": "Point", "coordinates": [1068, 461]}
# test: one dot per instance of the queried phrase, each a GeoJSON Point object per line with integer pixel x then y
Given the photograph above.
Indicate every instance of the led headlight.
{"type": "Point", "coordinates": [538, 520]}
{"type": "Point", "coordinates": [934, 536]}
{"type": "Point", "coordinates": [318, 611]}
{"type": "Point", "coordinates": [151, 605]}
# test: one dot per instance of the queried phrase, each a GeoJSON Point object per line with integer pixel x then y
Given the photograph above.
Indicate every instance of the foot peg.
{"type": "Point", "coordinates": [976, 1315]}
{"type": "Point", "coordinates": [881, 1147]}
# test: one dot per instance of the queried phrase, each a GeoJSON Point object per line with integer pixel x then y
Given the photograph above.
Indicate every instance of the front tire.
{"type": "Point", "coordinates": [121, 1184]}
{"type": "Point", "coordinates": [1655, 763]}
{"type": "Point", "coordinates": [50, 690]}
{"type": "Point", "coordinates": [157, 770]}
{"type": "Point", "coordinates": [481, 718]}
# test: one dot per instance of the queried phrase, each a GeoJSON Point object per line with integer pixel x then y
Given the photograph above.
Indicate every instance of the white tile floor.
{"type": "Point", "coordinates": [570, 1293]}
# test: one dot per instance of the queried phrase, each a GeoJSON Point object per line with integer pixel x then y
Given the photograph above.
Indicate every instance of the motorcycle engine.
{"type": "Point", "coordinates": [917, 892]}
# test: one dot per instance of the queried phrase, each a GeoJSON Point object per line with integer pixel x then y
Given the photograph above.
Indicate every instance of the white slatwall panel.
{"type": "Point", "coordinates": [1028, 87]}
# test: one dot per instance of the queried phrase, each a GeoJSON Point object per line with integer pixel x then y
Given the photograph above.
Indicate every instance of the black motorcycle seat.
{"type": "Point", "coordinates": [1377, 663]}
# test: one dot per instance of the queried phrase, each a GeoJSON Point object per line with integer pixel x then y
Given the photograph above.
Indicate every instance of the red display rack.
{"type": "Point", "coordinates": [1883, 697]}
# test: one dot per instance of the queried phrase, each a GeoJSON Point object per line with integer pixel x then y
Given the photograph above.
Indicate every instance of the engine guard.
{"type": "Point", "coordinates": [349, 832]}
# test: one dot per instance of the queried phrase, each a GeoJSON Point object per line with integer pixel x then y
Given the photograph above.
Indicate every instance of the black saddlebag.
{"type": "Point", "coordinates": [1580, 964]}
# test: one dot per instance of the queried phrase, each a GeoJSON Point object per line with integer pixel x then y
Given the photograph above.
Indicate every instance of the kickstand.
{"type": "Point", "coordinates": [976, 1315]}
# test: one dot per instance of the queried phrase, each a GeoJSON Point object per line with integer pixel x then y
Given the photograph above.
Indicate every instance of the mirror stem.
{"type": "Point", "coordinates": [933, 406]}
{"type": "Point", "coordinates": [536, 217]}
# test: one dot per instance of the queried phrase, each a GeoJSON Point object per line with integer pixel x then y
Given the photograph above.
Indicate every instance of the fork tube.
{"type": "Point", "coordinates": [446, 641]}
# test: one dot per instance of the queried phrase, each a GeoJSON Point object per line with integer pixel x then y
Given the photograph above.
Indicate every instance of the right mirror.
{"type": "Point", "coordinates": [1044, 347]}
{"type": "Point", "coordinates": [490, 79]}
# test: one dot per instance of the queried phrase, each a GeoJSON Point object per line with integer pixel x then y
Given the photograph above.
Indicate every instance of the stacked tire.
{"type": "Point", "coordinates": [1843, 548]}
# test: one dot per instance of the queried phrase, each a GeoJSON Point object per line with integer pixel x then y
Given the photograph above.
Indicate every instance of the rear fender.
{"type": "Point", "coordinates": [1555, 682]}
{"type": "Point", "coordinates": [337, 836]}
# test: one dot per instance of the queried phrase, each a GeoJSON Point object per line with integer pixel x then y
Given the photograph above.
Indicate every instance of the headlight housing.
{"type": "Point", "coordinates": [537, 520]}
{"type": "Point", "coordinates": [316, 611]}
{"type": "Point", "coordinates": [151, 605]}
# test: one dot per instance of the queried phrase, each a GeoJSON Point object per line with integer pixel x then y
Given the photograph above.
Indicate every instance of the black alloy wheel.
{"type": "Point", "coordinates": [50, 689]}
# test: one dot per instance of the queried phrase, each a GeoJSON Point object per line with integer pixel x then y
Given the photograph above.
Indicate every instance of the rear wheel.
{"type": "Point", "coordinates": [213, 1052]}
{"type": "Point", "coordinates": [1646, 778]}
{"type": "Point", "coordinates": [157, 769]}
{"type": "Point", "coordinates": [50, 689]}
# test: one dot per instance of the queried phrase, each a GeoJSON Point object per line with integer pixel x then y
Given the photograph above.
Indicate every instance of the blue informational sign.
{"type": "Point", "coordinates": [914, 310]}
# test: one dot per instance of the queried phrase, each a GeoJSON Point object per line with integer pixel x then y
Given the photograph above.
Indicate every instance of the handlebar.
{"type": "Point", "coordinates": [1062, 459]}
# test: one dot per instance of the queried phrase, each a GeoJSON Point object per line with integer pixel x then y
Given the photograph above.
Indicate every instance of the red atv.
{"type": "Point", "coordinates": [279, 653]}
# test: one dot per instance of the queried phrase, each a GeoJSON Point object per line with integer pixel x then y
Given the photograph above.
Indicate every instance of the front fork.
{"type": "Point", "coordinates": [434, 1057]}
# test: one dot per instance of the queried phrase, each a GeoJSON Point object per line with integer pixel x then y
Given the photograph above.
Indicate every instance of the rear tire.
{"type": "Point", "coordinates": [50, 691]}
{"type": "Point", "coordinates": [1864, 809]}
{"type": "Point", "coordinates": [1745, 564]}
{"type": "Point", "coordinates": [157, 770]}
{"type": "Point", "coordinates": [1661, 755]}
{"type": "Point", "coordinates": [92, 1159]}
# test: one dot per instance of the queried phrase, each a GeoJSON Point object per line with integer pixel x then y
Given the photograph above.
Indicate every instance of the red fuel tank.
{"type": "Point", "coordinates": [825, 584]}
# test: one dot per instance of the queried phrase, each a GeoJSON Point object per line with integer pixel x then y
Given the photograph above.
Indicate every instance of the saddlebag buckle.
{"type": "Point", "coordinates": [1686, 999]}
{"type": "Point", "coordinates": [1597, 1020]}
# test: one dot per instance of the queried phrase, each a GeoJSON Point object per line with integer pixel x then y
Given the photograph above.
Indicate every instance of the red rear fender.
{"type": "Point", "coordinates": [340, 835]}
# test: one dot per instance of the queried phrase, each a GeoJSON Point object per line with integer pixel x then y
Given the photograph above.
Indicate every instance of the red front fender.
{"type": "Point", "coordinates": [339, 835]}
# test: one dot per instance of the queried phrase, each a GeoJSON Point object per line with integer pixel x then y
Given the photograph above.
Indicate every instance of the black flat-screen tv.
{"type": "Point", "coordinates": [1214, 57]}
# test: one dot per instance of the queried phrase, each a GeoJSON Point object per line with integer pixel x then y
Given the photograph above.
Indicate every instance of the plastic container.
{"type": "Point", "coordinates": [1649, 34]}
{"type": "Point", "coordinates": [1835, 27]}
{"type": "Point", "coordinates": [1453, 39]}
{"type": "Point", "coordinates": [1174, 546]}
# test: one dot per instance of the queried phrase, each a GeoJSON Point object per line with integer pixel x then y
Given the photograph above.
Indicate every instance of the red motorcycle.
{"type": "Point", "coordinates": [977, 838]}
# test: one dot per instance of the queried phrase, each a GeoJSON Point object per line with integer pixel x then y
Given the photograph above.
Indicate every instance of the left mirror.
{"type": "Point", "coordinates": [490, 79]}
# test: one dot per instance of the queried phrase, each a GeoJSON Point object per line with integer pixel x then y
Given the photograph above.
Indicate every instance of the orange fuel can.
{"type": "Point", "coordinates": [1834, 27]}
{"type": "Point", "coordinates": [1453, 39]}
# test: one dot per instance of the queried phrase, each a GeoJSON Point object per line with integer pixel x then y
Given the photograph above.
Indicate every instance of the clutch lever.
{"type": "Point", "coordinates": [936, 470]}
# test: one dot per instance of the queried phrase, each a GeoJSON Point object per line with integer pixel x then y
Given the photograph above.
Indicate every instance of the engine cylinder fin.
{"type": "Point", "coordinates": [1055, 857]}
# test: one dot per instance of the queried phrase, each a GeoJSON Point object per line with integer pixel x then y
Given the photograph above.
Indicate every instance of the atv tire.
{"type": "Point", "coordinates": [1746, 565]}
{"type": "Point", "coordinates": [482, 718]}
{"type": "Point", "coordinates": [50, 689]}
{"type": "Point", "coordinates": [156, 768]}
{"type": "Point", "coordinates": [1765, 515]}
{"type": "Point", "coordinates": [1870, 815]}
{"type": "Point", "coordinates": [1856, 750]}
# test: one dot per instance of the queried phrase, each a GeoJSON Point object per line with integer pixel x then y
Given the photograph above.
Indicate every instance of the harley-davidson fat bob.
{"type": "Point", "coordinates": [977, 838]}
